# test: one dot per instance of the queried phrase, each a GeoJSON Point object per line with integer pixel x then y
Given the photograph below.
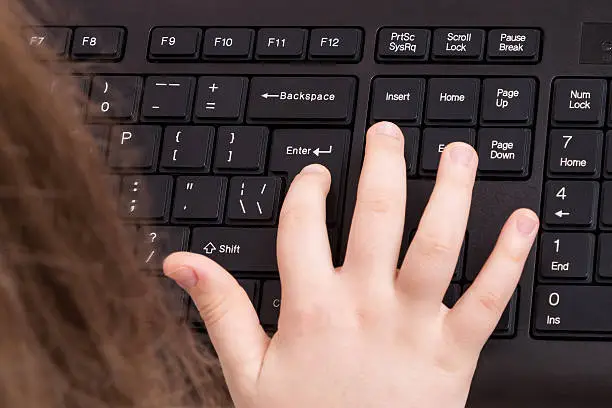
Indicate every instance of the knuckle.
{"type": "Point", "coordinates": [213, 310]}
{"type": "Point", "coordinates": [436, 246]}
{"type": "Point", "coordinates": [491, 302]}
{"type": "Point", "coordinates": [293, 214]}
{"type": "Point", "coordinates": [376, 203]}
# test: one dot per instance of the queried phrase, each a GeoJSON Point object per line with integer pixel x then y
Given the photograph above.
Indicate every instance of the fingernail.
{"type": "Point", "coordinates": [388, 129]}
{"type": "Point", "coordinates": [526, 224]}
{"type": "Point", "coordinates": [313, 168]}
{"type": "Point", "coordinates": [462, 154]}
{"type": "Point", "coordinates": [185, 277]}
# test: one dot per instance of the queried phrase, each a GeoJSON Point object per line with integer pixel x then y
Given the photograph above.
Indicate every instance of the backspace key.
{"type": "Point", "coordinates": [301, 100]}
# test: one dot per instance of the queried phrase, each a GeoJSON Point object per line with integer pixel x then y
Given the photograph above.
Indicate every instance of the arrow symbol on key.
{"type": "Point", "coordinates": [318, 151]}
{"type": "Point", "coordinates": [561, 214]}
{"type": "Point", "coordinates": [269, 95]}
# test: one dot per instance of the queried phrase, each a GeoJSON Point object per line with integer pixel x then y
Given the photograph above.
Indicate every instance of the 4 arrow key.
{"type": "Point", "coordinates": [571, 204]}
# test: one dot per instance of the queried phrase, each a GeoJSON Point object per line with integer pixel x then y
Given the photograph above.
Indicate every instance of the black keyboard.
{"type": "Point", "coordinates": [205, 111]}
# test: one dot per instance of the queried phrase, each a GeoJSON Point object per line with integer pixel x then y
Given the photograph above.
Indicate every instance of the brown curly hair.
{"type": "Point", "coordinates": [82, 326]}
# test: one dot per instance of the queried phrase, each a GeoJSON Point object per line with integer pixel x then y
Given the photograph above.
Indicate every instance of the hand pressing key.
{"type": "Point", "coordinates": [364, 335]}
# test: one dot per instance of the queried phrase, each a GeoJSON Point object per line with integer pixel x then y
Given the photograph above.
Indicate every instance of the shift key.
{"type": "Point", "coordinates": [302, 99]}
{"type": "Point", "coordinates": [238, 249]}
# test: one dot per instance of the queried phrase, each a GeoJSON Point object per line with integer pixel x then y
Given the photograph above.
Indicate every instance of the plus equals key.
{"type": "Point", "coordinates": [220, 98]}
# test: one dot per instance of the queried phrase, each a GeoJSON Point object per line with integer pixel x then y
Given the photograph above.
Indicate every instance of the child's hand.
{"type": "Point", "coordinates": [366, 334]}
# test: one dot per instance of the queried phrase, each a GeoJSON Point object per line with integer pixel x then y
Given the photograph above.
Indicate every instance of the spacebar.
{"type": "Point", "coordinates": [238, 249]}
{"type": "Point", "coordinates": [578, 309]}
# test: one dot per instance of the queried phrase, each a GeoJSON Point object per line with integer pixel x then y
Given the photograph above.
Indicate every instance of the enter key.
{"type": "Point", "coordinates": [294, 149]}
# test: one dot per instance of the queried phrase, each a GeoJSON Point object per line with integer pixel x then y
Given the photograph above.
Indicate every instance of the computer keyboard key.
{"type": "Point", "coordinates": [175, 43]}
{"type": "Point", "coordinates": [403, 44]}
{"type": "Point", "coordinates": [251, 287]}
{"type": "Point", "coordinates": [571, 204]}
{"type": "Point", "coordinates": [145, 197]}
{"type": "Point", "coordinates": [241, 149]}
{"type": "Point", "coordinates": [458, 43]}
{"type": "Point", "coordinates": [281, 43]}
{"type": "Point", "coordinates": [100, 135]}
{"type": "Point", "coordinates": [453, 100]}
{"type": "Point", "coordinates": [567, 255]}
{"type": "Point", "coordinates": [98, 43]}
{"type": "Point", "coordinates": [504, 152]}
{"type": "Point", "coordinates": [605, 216]}
{"type": "Point", "coordinates": [573, 309]}
{"type": "Point", "coordinates": [54, 39]}
{"type": "Point", "coordinates": [114, 97]}
{"type": "Point", "coordinates": [399, 100]}
{"type": "Point", "coordinates": [508, 100]}
{"type": "Point", "coordinates": [604, 257]}
{"type": "Point", "coordinates": [301, 99]}
{"type": "Point", "coordinates": [506, 323]}
{"type": "Point", "coordinates": [199, 199]}
{"type": "Point", "coordinates": [608, 160]}
{"type": "Point", "coordinates": [411, 149]}
{"type": "Point", "coordinates": [453, 293]}
{"type": "Point", "coordinates": [580, 101]}
{"type": "Point", "coordinates": [294, 149]}
{"type": "Point", "coordinates": [228, 43]}
{"type": "Point", "coordinates": [238, 249]}
{"type": "Point", "coordinates": [253, 199]}
{"type": "Point", "coordinates": [187, 148]}
{"type": "Point", "coordinates": [134, 147]}
{"type": "Point", "coordinates": [575, 152]}
{"type": "Point", "coordinates": [269, 310]}
{"type": "Point", "coordinates": [159, 242]}
{"type": "Point", "coordinates": [175, 296]}
{"type": "Point", "coordinates": [167, 98]}
{"type": "Point", "coordinates": [514, 45]}
{"type": "Point", "coordinates": [436, 139]}
{"type": "Point", "coordinates": [335, 44]}
{"type": "Point", "coordinates": [220, 98]}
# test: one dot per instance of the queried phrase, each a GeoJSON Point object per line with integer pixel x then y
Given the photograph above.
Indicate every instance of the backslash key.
{"type": "Point", "coordinates": [294, 149]}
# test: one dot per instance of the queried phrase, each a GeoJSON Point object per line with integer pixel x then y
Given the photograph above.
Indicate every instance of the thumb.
{"type": "Point", "coordinates": [227, 311]}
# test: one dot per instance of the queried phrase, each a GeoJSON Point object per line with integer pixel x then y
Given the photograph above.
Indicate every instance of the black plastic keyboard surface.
{"type": "Point", "coordinates": [224, 106]}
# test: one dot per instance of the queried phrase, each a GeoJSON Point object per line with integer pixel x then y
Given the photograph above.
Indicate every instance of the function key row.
{"type": "Point", "coordinates": [457, 44]}
{"type": "Point", "coordinates": [242, 44]}
{"type": "Point", "coordinates": [82, 43]}
{"type": "Point", "coordinates": [505, 101]}
{"type": "Point", "coordinates": [221, 99]}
